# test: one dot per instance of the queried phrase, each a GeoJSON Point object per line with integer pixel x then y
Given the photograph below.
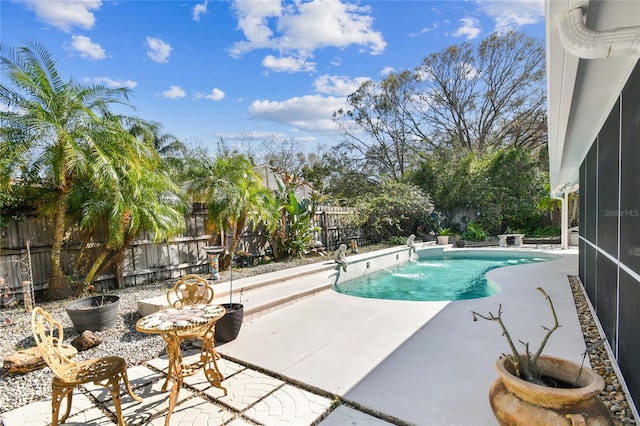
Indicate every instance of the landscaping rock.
{"type": "Point", "coordinates": [86, 340]}
{"type": "Point", "coordinates": [27, 360]}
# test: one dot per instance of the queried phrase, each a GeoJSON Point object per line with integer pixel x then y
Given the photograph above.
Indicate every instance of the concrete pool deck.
{"type": "Point", "coordinates": [388, 362]}
{"type": "Point", "coordinates": [424, 363]}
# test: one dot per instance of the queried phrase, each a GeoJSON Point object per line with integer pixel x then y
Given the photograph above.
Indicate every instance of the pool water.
{"type": "Point", "coordinates": [454, 276]}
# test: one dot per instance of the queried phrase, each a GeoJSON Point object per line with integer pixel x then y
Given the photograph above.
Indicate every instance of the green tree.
{"type": "Point", "coordinates": [284, 155]}
{"type": "Point", "coordinates": [298, 232]}
{"type": "Point", "coordinates": [295, 230]}
{"type": "Point", "coordinates": [233, 193]}
{"type": "Point", "coordinates": [514, 186]}
{"type": "Point", "coordinates": [141, 197]}
{"type": "Point", "coordinates": [452, 178]}
{"type": "Point", "coordinates": [171, 149]}
{"type": "Point", "coordinates": [487, 95]}
{"type": "Point", "coordinates": [344, 178]}
{"type": "Point", "coordinates": [55, 131]}
{"type": "Point", "coordinates": [469, 97]}
{"type": "Point", "coordinates": [394, 209]}
{"type": "Point", "coordinates": [380, 128]}
{"type": "Point", "coordinates": [504, 185]}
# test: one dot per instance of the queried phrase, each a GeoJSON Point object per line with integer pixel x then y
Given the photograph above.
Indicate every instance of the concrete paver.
{"type": "Point", "coordinates": [245, 388]}
{"type": "Point", "coordinates": [199, 381]}
{"type": "Point", "coordinates": [138, 375]}
{"type": "Point", "coordinates": [161, 363]}
{"type": "Point", "coordinates": [154, 402]}
{"type": "Point", "coordinates": [289, 405]}
{"type": "Point", "coordinates": [39, 413]}
{"type": "Point", "coordinates": [91, 417]}
{"type": "Point", "coordinates": [195, 412]}
{"type": "Point", "coordinates": [239, 422]}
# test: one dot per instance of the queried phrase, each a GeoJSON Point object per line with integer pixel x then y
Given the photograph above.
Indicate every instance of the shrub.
{"type": "Point", "coordinates": [547, 231]}
{"type": "Point", "coordinates": [397, 241]}
{"type": "Point", "coordinates": [474, 232]}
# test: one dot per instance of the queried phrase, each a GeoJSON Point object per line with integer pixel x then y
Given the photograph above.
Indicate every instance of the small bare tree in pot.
{"type": "Point", "coordinates": [533, 388]}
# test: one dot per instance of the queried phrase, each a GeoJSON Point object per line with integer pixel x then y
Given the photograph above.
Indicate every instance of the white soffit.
{"type": "Point", "coordinates": [581, 92]}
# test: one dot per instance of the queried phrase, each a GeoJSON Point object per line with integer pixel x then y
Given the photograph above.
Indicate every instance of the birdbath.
{"type": "Point", "coordinates": [213, 253]}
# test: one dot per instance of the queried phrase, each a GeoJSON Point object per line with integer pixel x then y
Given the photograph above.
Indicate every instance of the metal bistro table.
{"type": "Point", "coordinates": [176, 325]}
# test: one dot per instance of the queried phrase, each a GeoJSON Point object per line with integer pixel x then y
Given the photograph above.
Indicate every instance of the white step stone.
{"type": "Point", "coordinates": [263, 293]}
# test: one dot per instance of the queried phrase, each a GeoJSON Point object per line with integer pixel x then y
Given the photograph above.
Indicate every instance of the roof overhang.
{"type": "Point", "coordinates": [581, 92]}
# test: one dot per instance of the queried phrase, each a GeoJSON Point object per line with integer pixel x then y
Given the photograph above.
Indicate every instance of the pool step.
{"type": "Point", "coordinates": [262, 301]}
{"type": "Point", "coordinates": [263, 293]}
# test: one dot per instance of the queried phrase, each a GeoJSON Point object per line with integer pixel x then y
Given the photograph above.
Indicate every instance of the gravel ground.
{"type": "Point", "coordinates": [137, 348]}
{"type": "Point", "coordinates": [612, 395]}
{"type": "Point", "coordinates": [120, 340]}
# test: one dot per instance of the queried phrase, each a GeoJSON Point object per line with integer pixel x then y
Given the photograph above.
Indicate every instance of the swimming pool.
{"type": "Point", "coordinates": [456, 275]}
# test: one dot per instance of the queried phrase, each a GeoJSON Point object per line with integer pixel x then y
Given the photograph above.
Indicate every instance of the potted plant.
{"type": "Point", "coordinates": [228, 327]}
{"type": "Point", "coordinates": [94, 313]}
{"type": "Point", "coordinates": [533, 388]}
{"type": "Point", "coordinates": [443, 236]}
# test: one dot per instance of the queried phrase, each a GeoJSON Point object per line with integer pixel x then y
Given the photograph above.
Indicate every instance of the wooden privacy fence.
{"type": "Point", "coordinates": [146, 261]}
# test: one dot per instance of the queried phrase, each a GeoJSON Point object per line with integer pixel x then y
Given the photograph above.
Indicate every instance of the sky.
{"type": "Point", "coordinates": [251, 71]}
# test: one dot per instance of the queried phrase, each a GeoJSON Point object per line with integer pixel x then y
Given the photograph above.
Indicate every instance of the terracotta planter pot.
{"type": "Point", "coordinates": [517, 402]}
{"type": "Point", "coordinates": [94, 313]}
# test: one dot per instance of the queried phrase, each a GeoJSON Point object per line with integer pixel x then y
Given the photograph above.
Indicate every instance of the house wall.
{"type": "Point", "coordinates": [609, 261]}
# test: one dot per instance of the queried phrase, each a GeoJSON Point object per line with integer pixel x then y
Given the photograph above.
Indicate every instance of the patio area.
{"type": "Point", "coordinates": [388, 362]}
{"type": "Point", "coordinates": [413, 362]}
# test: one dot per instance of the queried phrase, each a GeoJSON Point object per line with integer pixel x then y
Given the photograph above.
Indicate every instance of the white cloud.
{"type": "Point", "coordinates": [109, 82]}
{"type": "Point", "coordinates": [288, 64]}
{"type": "Point", "coordinates": [253, 19]}
{"type": "Point", "coordinates": [470, 28]}
{"type": "Point", "coordinates": [329, 23]}
{"type": "Point", "coordinates": [425, 30]}
{"type": "Point", "coordinates": [65, 15]}
{"type": "Point", "coordinates": [86, 48]}
{"type": "Point", "coordinates": [386, 71]}
{"type": "Point", "coordinates": [199, 10]}
{"type": "Point", "coordinates": [511, 15]}
{"type": "Point", "coordinates": [174, 92]}
{"type": "Point", "coordinates": [158, 50]}
{"type": "Point", "coordinates": [302, 27]}
{"type": "Point", "coordinates": [338, 85]}
{"type": "Point", "coordinates": [309, 113]}
{"type": "Point", "coordinates": [215, 95]}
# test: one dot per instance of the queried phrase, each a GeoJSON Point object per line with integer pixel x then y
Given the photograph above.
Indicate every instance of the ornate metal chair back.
{"type": "Point", "coordinates": [190, 290]}
{"type": "Point", "coordinates": [48, 335]}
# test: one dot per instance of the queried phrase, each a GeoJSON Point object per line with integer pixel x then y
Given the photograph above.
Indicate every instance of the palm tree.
{"type": "Point", "coordinates": [56, 131]}
{"type": "Point", "coordinates": [171, 149]}
{"type": "Point", "coordinates": [140, 197]}
{"type": "Point", "coordinates": [233, 192]}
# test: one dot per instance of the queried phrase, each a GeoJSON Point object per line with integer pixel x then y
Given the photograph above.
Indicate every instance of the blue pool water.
{"type": "Point", "coordinates": [454, 276]}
